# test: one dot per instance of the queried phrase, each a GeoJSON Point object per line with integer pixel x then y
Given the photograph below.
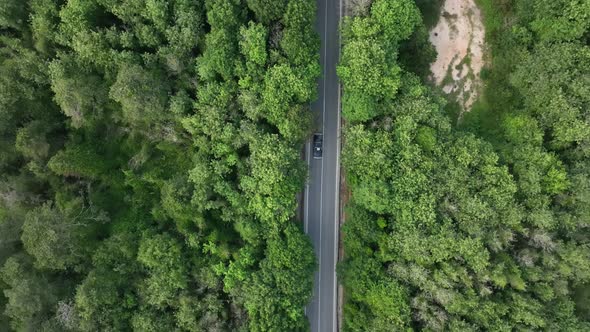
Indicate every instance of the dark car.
{"type": "Point", "coordinates": [318, 140]}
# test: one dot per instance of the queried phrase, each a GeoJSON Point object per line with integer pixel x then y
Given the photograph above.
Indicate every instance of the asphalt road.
{"type": "Point", "coordinates": [321, 195]}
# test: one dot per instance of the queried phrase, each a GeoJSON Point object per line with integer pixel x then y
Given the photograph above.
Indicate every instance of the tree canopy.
{"type": "Point", "coordinates": [149, 164]}
{"type": "Point", "coordinates": [476, 226]}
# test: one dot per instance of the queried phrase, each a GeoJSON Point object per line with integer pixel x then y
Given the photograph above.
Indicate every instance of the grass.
{"type": "Point", "coordinates": [493, 17]}
{"type": "Point", "coordinates": [497, 97]}
{"type": "Point", "coordinates": [453, 109]}
{"type": "Point", "coordinates": [448, 79]}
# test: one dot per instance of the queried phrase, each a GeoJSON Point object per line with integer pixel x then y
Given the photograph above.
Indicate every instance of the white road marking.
{"type": "Point", "coordinates": [322, 171]}
{"type": "Point", "coordinates": [306, 191]}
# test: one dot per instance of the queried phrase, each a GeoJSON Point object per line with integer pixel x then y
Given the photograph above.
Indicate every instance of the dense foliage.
{"type": "Point", "coordinates": [482, 227]}
{"type": "Point", "coordinates": [149, 161]}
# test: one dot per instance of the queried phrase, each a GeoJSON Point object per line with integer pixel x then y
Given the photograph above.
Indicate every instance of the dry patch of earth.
{"type": "Point", "coordinates": [459, 40]}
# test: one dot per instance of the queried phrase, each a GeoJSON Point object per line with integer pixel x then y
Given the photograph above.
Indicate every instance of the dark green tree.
{"type": "Point", "coordinates": [267, 11]}
{"type": "Point", "coordinates": [13, 14]}
{"type": "Point", "coordinates": [58, 239]}
{"type": "Point", "coordinates": [277, 292]}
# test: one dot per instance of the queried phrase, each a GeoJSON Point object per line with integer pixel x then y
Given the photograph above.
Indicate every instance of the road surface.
{"type": "Point", "coordinates": [321, 199]}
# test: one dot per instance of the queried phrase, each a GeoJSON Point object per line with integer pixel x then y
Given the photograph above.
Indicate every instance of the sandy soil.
{"type": "Point", "coordinates": [459, 40]}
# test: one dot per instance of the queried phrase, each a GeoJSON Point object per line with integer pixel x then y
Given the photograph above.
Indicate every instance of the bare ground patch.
{"type": "Point", "coordinates": [459, 41]}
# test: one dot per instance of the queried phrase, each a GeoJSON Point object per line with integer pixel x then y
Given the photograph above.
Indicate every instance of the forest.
{"type": "Point", "coordinates": [150, 161]}
{"type": "Point", "coordinates": [480, 224]}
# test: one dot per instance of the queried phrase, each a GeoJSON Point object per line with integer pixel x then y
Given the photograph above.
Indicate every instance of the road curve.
{"type": "Point", "coordinates": [321, 199]}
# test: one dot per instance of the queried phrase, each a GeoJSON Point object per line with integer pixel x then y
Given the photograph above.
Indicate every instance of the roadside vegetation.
{"type": "Point", "coordinates": [150, 161]}
{"type": "Point", "coordinates": [480, 226]}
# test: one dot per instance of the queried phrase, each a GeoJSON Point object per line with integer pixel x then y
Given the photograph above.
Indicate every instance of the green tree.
{"type": "Point", "coordinates": [31, 298]}
{"type": "Point", "coordinates": [300, 42]}
{"type": "Point", "coordinates": [560, 20]}
{"type": "Point", "coordinates": [57, 239]}
{"type": "Point", "coordinates": [150, 320]}
{"type": "Point", "coordinates": [398, 19]}
{"type": "Point", "coordinates": [44, 21]}
{"type": "Point", "coordinates": [277, 293]}
{"type": "Point", "coordinates": [221, 44]}
{"type": "Point", "coordinates": [277, 174]}
{"type": "Point", "coordinates": [253, 45]}
{"type": "Point", "coordinates": [366, 72]}
{"type": "Point", "coordinates": [31, 140]}
{"type": "Point", "coordinates": [164, 114]}
{"type": "Point", "coordinates": [106, 298]}
{"type": "Point", "coordinates": [78, 161]}
{"type": "Point", "coordinates": [13, 14]}
{"type": "Point", "coordinates": [283, 107]}
{"type": "Point", "coordinates": [142, 93]}
{"type": "Point", "coordinates": [162, 256]}
{"type": "Point", "coordinates": [82, 95]}
{"type": "Point", "coordinates": [555, 92]}
{"type": "Point", "coordinates": [267, 11]}
{"type": "Point", "coordinates": [206, 314]}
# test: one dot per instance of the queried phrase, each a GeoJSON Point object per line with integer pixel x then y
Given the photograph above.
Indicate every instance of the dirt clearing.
{"type": "Point", "coordinates": [459, 41]}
